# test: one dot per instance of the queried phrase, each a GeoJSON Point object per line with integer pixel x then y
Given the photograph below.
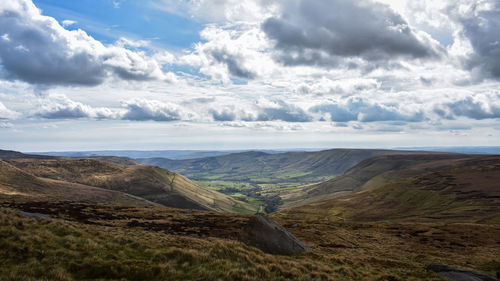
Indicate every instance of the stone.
{"type": "Point", "coordinates": [269, 236]}
{"type": "Point", "coordinates": [36, 216]}
{"type": "Point", "coordinates": [458, 274]}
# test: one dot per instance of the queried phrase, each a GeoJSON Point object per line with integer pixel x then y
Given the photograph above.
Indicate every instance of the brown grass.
{"type": "Point", "coordinates": [104, 242]}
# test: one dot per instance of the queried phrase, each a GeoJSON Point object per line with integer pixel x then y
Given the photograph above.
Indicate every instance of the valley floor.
{"type": "Point", "coordinates": [86, 241]}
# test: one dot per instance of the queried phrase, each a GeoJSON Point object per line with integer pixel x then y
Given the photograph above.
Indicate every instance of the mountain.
{"type": "Point", "coordinates": [171, 154]}
{"type": "Point", "coordinates": [50, 176]}
{"type": "Point", "coordinates": [424, 187]}
{"type": "Point", "coordinates": [261, 167]}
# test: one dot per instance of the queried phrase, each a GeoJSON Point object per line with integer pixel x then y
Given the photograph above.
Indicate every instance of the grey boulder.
{"type": "Point", "coordinates": [269, 236]}
{"type": "Point", "coordinates": [458, 274]}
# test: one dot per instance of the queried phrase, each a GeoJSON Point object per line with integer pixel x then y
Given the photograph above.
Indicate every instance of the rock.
{"type": "Point", "coordinates": [36, 216]}
{"type": "Point", "coordinates": [458, 274]}
{"type": "Point", "coordinates": [269, 236]}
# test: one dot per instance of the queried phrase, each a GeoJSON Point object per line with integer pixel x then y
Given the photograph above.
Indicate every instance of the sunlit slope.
{"type": "Point", "coordinates": [151, 183]}
{"type": "Point", "coordinates": [464, 189]}
{"type": "Point", "coordinates": [15, 182]}
{"type": "Point", "coordinates": [359, 175]}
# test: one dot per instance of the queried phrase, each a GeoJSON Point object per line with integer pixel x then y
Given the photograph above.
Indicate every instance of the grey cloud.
{"type": "Point", "coordinates": [275, 110]}
{"type": "Point", "coordinates": [356, 109]}
{"type": "Point", "coordinates": [64, 113]}
{"type": "Point", "coordinates": [224, 115]}
{"type": "Point", "coordinates": [284, 112]}
{"type": "Point", "coordinates": [143, 110]}
{"type": "Point", "coordinates": [324, 32]}
{"type": "Point", "coordinates": [468, 107]}
{"type": "Point", "coordinates": [199, 101]}
{"type": "Point", "coordinates": [64, 108]}
{"type": "Point", "coordinates": [337, 112]}
{"type": "Point", "coordinates": [38, 50]}
{"type": "Point", "coordinates": [234, 64]}
{"type": "Point", "coordinates": [135, 110]}
{"type": "Point", "coordinates": [482, 30]}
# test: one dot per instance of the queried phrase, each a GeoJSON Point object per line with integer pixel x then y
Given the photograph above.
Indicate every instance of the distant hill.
{"type": "Point", "coordinates": [261, 167]}
{"type": "Point", "coordinates": [459, 149]}
{"type": "Point", "coordinates": [420, 187]}
{"type": "Point", "coordinates": [115, 159]}
{"type": "Point", "coordinates": [170, 154]}
{"type": "Point", "coordinates": [9, 154]}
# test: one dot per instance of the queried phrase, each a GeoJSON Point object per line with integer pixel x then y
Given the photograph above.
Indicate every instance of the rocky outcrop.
{"type": "Point", "coordinates": [36, 216]}
{"type": "Point", "coordinates": [269, 236]}
{"type": "Point", "coordinates": [458, 274]}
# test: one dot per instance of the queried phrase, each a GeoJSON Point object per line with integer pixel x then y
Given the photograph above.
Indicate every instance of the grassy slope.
{"type": "Point", "coordinates": [115, 159]}
{"type": "Point", "coordinates": [463, 189]}
{"type": "Point", "coordinates": [18, 183]}
{"type": "Point", "coordinates": [154, 184]}
{"type": "Point", "coordinates": [110, 243]}
{"type": "Point", "coordinates": [357, 176]}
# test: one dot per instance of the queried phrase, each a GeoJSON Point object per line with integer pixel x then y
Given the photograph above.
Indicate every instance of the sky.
{"type": "Point", "coordinates": [248, 74]}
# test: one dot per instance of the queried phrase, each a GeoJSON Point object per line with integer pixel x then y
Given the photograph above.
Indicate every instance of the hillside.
{"type": "Point", "coordinates": [17, 183]}
{"type": "Point", "coordinates": [357, 176]}
{"type": "Point", "coordinates": [417, 187]}
{"type": "Point", "coordinates": [151, 183]}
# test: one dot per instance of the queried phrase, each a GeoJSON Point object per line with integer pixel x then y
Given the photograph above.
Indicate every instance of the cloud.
{"type": "Point", "coordinates": [37, 49]}
{"type": "Point", "coordinates": [358, 109]}
{"type": "Point", "coordinates": [477, 107]}
{"type": "Point", "coordinates": [234, 51]}
{"type": "Point", "coordinates": [6, 113]}
{"type": "Point", "coordinates": [6, 125]}
{"type": "Point", "coordinates": [234, 64]}
{"type": "Point", "coordinates": [480, 22]}
{"type": "Point", "coordinates": [143, 110]}
{"type": "Point", "coordinates": [67, 23]}
{"type": "Point", "coordinates": [260, 110]}
{"type": "Point", "coordinates": [273, 126]}
{"type": "Point", "coordinates": [325, 86]}
{"type": "Point", "coordinates": [308, 34]}
{"type": "Point", "coordinates": [225, 114]}
{"type": "Point", "coordinates": [61, 107]}
{"type": "Point", "coordinates": [219, 10]}
{"type": "Point", "coordinates": [271, 110]}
